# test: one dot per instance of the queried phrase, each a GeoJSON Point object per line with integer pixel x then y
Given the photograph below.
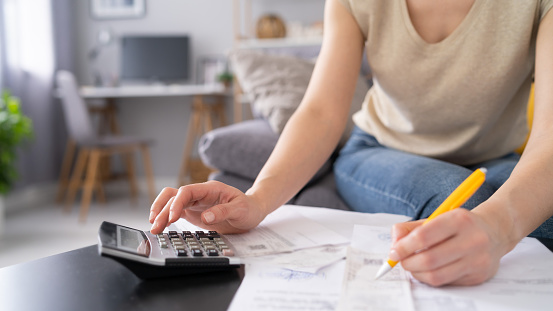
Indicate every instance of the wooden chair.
{"type": "Point", "coordinates": [92, 149]}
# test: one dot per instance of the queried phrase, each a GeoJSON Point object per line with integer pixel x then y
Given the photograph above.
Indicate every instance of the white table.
{"type": "Point", "coordinates": [200, 121]}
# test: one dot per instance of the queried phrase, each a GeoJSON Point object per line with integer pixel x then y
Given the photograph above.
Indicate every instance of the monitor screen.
{"type": "Point", "coordinates": [155, 58]}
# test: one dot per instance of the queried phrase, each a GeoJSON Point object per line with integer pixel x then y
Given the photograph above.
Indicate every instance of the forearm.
{"type": "Point", "coordinates": [305, 144]}
{"type": "Point", "coordinates": [525, 201]}
{"type": "Point", "coordinates": [314, 130]}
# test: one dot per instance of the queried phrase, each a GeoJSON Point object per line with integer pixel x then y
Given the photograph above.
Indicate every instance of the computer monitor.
{"type": "Point", "coordinates": [154, 59]}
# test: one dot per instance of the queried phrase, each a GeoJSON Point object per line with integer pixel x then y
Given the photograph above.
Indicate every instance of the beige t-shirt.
{"type": "Point", "coordinates": [462, 100]}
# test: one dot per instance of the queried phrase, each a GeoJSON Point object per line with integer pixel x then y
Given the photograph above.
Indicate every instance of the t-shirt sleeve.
{"type": "Point", "coordinates": [545, 6]}
{"type": "Point", "coordinates": [347, 5]}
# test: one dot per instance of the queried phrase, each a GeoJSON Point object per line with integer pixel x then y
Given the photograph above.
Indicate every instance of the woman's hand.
{"type": "Point", "coordinates": [458, 247]}
{"type": "Point", "coordinates": [211, 205]}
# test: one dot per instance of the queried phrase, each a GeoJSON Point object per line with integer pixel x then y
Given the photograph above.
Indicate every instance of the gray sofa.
{"type": "Point", "coordinates": [239, 151]}
{"type": "Point", "coordinates": [276, 84]}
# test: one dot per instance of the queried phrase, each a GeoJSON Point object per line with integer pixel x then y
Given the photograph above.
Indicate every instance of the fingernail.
{"type": "Point", "coordinates": [151, 216]}
{"type": "Point", "coordinates": [393, 255]}
{"type": "Point", "coordinates": [171, 215]}
{"type": "Point", "coordinates": [209, 217]}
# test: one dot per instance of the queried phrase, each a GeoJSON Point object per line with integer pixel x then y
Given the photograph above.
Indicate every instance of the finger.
{"type": "Point", "coordinates": [402, 229]}
{"type": "Point", "coordinates": [437, 256]}
{"type": "Point", "coordinates": [162, 218]}
{"type": "Point", "coordinates": [444, 275]}
{"type": "Point", "coordinates": [202, 195]}
{"type": "Point", "coordinates": [218, 213]}
{"type": "Point", "coordinates": [159, 203]}
{"type": "Point", "coordinates": [441, 228]}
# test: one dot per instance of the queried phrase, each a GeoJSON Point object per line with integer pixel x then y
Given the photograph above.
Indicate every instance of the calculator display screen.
{"type": "Point", "coordinates": [133, 241]}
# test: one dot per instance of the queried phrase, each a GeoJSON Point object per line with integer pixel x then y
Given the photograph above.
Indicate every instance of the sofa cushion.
{"type": "Point", "coordinates": [242, 148]}
{"type": "Point", "coordinates": [277, 83]}
{"type": "Point", "coordinates": [321, 193]}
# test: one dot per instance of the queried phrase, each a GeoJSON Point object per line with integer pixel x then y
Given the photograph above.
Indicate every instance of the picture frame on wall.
{"type": "Point", "coordinates": [116, 9]}
{"type": "Point", "coordinates": [210, 68]}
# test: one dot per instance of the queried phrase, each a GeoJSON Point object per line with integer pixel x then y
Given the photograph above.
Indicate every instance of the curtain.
{"type": "Point", "coordinates": [36, 40]}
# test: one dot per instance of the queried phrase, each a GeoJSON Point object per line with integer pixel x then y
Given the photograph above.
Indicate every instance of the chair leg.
{"type": "Point", "coordinates": [101, 195]}
{"type": "Point", "coordinates": [91, 174]}
{"type": "Point", "coordinates": [220, 110]}
{"type": "Point", "coordinates": [149, 172]}
{"type": "Point", "coordinates": [129, 162]}
{"type": "Point", "coordinates": [76, 178]}
{"type": "Point", "coordinates": [194, 129]}
{"type": "Point", "coordinates": [66, 169]}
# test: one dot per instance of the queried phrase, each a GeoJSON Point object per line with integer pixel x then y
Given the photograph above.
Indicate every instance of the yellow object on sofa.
{"type": "Point", "coordinates": [529, 117]}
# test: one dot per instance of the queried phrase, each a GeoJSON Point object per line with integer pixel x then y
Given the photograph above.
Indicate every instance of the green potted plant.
{"type": "Point", "coordinates": [226, 78]}
{"type": "Point", "coordinates": [14, 129]}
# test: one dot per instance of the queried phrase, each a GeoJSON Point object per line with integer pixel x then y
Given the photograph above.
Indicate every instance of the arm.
{"type": "Point", "coordinates": [313, 132]}
{"type": "Point", "coordinates": [464, 248]}
{"type": "Point", "coordinates": [307, 141]}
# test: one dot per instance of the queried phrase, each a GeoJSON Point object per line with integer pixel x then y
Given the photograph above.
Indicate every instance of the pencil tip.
{"type": "Point", "coordinates": [385, 268]}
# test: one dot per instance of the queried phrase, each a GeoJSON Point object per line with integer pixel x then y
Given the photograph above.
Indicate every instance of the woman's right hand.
{"type": "Point", "coordinates": [211, 205]}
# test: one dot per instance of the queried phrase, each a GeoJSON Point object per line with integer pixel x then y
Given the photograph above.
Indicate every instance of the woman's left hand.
{"type": "Point", "coordinates": [458, 247]}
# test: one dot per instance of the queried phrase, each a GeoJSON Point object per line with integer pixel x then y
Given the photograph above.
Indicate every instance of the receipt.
{"type": "Point", "coordinates": [267, 288]}
{"type": "Point", "coordinates": [360, 291]}
{"type": "Point", "coordinates": [308, 260]}
{"type": "Point", "coordinates": [281, 232]}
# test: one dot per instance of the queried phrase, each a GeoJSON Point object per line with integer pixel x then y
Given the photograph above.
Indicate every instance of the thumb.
{"type": "Point", "coordinates": [217, 214]}
{"type": "Point", "coordinates": [402, 229]}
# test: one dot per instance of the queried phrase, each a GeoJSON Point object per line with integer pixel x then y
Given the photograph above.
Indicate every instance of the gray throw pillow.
{"type": "Point", "coordinates": [242, 149]}
{"type": "Point", "coordinates": [277, 83]}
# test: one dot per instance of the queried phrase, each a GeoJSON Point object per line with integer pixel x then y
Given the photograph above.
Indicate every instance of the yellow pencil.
{"type": "Point", "coordinates": [465, 190]}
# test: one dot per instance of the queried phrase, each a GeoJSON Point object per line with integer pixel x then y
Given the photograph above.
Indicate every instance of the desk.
{"type": "Point", "coordinates": [200, 121]}
{"type": "Point", "coordinates": [82, 280]}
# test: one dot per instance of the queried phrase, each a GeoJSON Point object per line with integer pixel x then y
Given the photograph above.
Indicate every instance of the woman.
{"type": "Point", "coordinates": [451, 82]}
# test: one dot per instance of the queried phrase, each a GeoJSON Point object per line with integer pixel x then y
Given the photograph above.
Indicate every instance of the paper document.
{"type": "Point", "coordinates": [270, 289]}
{"type": "Point", "coordinates": [524, 281]}
{"type": "Point", "coordinates": [306, 260]}
{"type": "Point", "coordinates": [283, 231]}
{"type": "Point", "coordinates": [360, 291]}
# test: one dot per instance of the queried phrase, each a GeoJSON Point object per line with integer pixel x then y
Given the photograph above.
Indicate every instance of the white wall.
{"type": "Point", "coordinates": [209, 24]}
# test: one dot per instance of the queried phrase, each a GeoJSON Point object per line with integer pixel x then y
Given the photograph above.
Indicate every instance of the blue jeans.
{"type": "Point", "coordinates": [375, 179]}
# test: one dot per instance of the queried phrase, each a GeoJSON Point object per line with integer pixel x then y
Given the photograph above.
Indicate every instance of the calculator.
{"type": "Point", "coordinates": [167, 254]}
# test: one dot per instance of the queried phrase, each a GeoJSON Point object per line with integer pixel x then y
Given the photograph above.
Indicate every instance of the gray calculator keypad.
{"type": "Point", "coordinates": [195, 244]}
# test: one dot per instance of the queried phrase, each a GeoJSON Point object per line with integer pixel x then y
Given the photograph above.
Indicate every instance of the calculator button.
{"type": "Point", "coordinates": [209, 247]}
{"type": "Point", "coordinates": [197, 253]}
{"type": "Point", "coordinates": [212, 252]}
{"type": "Point", "coordinates": [163, 244]}
{"type": "Point", "coordinates": [181, 252]}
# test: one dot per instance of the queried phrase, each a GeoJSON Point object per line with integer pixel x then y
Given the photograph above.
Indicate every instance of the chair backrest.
{"type": "Point", "coordinates": [75, 110]}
